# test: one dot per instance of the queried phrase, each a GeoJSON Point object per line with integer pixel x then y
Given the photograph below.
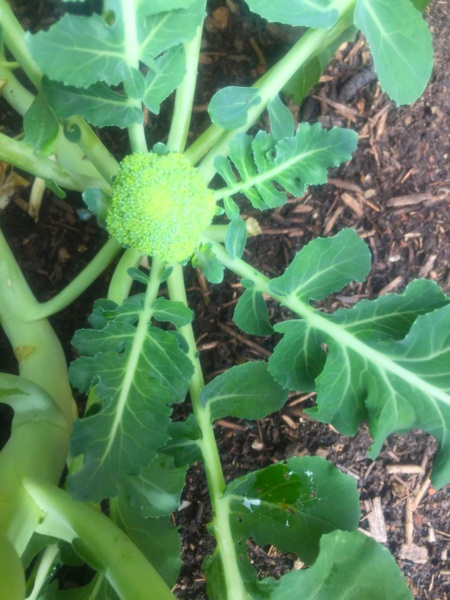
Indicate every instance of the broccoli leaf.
{"type": "Point", "coordinates": [290, 505]}
{"type": "Point", "coordinates": [136, 377]}
{"type": "Point", "coordinates": [247, 391]}
{"type": "Point", "coordinates": [156, 491]}
{"type": "Point", "coordinates": [183, 444]}
{"type": "Point", "coordinates": [41, 127]}
{"type": "Point", "coordinates": [348, 566]}
{"type": "Point", "coordinates": [324, 266]}
{"type": "Point", "coordinates": [293, 163]}
{"type": "Point", "coordinates": [310, 13]}
{"type": "Point", "coordinates": [383, 361]}
{"type": "Point", "coordinates": [229, 106]}
{"type": "Point", "coordinates": [98, 104]}
{"type": "Point", "coordinates": [251, 314]}
{"type": "Point", "coordinates": [169, 72]}
{"type": "Point", "coordinates": [401, 46]}
{"type": "Point", "coordinates": [236, 237]}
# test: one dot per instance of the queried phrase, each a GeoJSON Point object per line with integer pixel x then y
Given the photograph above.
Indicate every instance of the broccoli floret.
{"type": "Point", "coordinates": [160, 206]}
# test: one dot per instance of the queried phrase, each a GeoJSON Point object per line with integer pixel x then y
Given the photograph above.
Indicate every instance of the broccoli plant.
{"type": "Point", "coordinates": [384, 361]}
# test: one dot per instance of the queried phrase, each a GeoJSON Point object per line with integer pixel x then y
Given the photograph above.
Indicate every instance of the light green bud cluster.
{"type": "Point", "coordinates": [160, 206]}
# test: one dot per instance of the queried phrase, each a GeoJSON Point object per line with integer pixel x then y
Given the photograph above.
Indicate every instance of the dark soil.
{"type": "Point", "coordinates": [403, 152]}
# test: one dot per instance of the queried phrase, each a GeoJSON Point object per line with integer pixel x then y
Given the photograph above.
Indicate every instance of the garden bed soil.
{"type": "Point", "coordinates": [394, 192]}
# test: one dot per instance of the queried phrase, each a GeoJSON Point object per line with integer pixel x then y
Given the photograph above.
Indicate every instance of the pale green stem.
{"type": "Point", "coordinates": [35, 344]}
{"type": "Point", "coordinates": [45, 565]}
{"type": "Point", "coordinates": [76, 287]}
{"type": "Point", "coordinates": [216, 483]}
{"type": "Point", "coordinates": [123, 564]}
{"type": "Point", "coordinates": [21, 156]}
{"type": "Point", "coordinates": [184, 98]}
{"type": "Point", "coordinates": [121, 282]}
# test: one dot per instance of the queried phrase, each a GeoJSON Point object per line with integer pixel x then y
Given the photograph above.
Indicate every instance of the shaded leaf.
{"type": "Point", "coordinates": [157, 538]}
{"type": "Point", "coordinates": [310, 13]}
{"type": "Point", "coordinates": [160, 83]}
{"type": "Point", "coordinates": [205, 259]}
{"type": "Point", "coordinates": [156, 491]}
{"type": "Point", "coordinates": [236, 237]}
{"type": "Point", "coordinates": [251, 314]}
{"type": "Point", "coordinates": [183, 444]}
{"type": "Point", "coordinates": [41, 126]}
{"type": "Point", "coordinates": [401, 46]}
{"type": "Point", "coordinates": [324, 266]}
{"type": "Point", "coordinates": [281, 119]}
{"type": "Point", "coordinates": [229, 106]}
{"type": "Point", "coordinates": [97, 201]}
{"type": "Point", "coordinates": [176, 313]}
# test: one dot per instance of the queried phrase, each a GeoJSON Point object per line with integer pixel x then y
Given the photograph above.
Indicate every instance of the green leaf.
{"type": "Point", "coordinates": [160, 83]}
{"type": "Point", "coordinates": [97, 202]}
{"type": "Point", "coordinates": [157, 539]}
{"type": "Point", "coordinates": [205, 259]}
{"type": "Point", "coordinates": [383, 361]}
{"type": "Point", "coordinates": [156, 491]}
{"type": "Point", "coordinates": [167, 29]}
{"type": "Point", "coordinates": [97, 589]}
{"type": "Point", "coordinates": [174, 312]}
{"type": "Point", "coordinates": [247, 391]}
{"type": "Point", "coordinates": [401, 46]}
{"type": "Point", "coordinates": [351, 566]}
{"type": "Point", "coordinates": [281, 120]}
{"type": "Point", "coordinates": [80, 51]}
{"type": "Point", "coordinates": [289, 505]}
{"type": "Point", "coordinates": [310, 13]}
{"type": "Point", "coordinates": [138, 275]}
{"type": "Point", "coordinates": [229, 106]}
{"type": "Point", "coordinates": [98, 104]}
{"type": "Point", "coordinates": [251, 314]}
{"type": "Point", "coordinates": [137, 374]}
{"type": "Point", "coordinates": [324, 266]}
{"type": "Point", "coordinates": [146, 8]}
{"type": "Point", "coordinates": [293, 163]}
{"type": "Point", "coordinates": [421, 5]}
{"type": "Point", "coordinates": [236, 237]}
{"type": "Point", "coordinates": [41, 126]}
{"type": "Point", "coordinates": [183, 444]}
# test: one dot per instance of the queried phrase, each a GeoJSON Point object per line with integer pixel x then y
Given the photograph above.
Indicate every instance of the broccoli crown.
{"type": "Point", "coordinates": [160, 206]}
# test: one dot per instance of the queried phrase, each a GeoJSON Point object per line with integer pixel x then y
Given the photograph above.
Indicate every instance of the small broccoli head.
{"type": "Point", "coordinates": [160, 206]}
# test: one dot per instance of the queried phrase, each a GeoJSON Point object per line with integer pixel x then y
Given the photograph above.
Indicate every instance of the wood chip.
{"type": "Point", "coordinates": [332, 220]}
{"type": "Point", "coordinates": [405, 469]}
{"type": "Point", "coordinates": [376, 520]}
{"type": "Point", "coordinates": [229, 425]}
{"type": "Point", "coordinates": [244, 340]}
{"type": "Point", "coordinates": [428, 265]}
{"type": "Point", "coordinates": [345, 185]}
{"type": "Point", "coordinates": [391, 286]}
{"type": "Point", "coordinates": [353, 204]}
{"type": "Point", "coordinates": [416, 554]}
{"type": "Point", "coordinates": [290, 422]}
{"type": "Point", "coordinates": [409, 200]}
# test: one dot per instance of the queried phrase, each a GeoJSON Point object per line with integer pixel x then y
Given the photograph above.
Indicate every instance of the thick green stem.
{"type": "Point", "coordinates": [184, 98]}
{"type": "Point", "coordinates": [123, 564]}
{"type": "Point", "coordinates": [35, 344]}
{"type": "Point", "coordinates": [216, 482]}
{"type": "Point", "coordinates": [76, 287]}
{"type": "Point", "coordinates": [21, 156]}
